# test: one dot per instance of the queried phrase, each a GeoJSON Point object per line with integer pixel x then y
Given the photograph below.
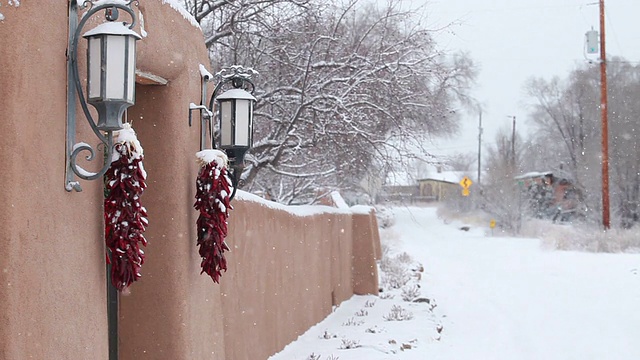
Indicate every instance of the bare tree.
{"type": "Point", "coordinates": [502, 194]}
{"type": "Point", "coordinates": [567, 118]}
{"type": "Point", "coordinates": [344, 89]}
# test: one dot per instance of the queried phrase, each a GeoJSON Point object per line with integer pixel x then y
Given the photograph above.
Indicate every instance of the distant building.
{"type": "Point", "coordinates": [550, 196]}
{"type": "Point", "coordinates": [442, 185]}
{"type": "Point", "coordinates": [398, 193]}
{"type": "Point", "coordinates": [439, 186]}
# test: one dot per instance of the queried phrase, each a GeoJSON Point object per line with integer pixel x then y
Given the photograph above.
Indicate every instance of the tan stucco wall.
{"type": "Point", "coordinates": [280, 280]}
{"type": "Point", "coordinates": [365, 270]}
{"type": "Point", "coordinates": [285, 270]}
{"type": "Point", "coordinates": [52, 276]}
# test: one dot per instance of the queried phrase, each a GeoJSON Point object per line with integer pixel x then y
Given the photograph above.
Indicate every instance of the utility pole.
{"type": "Point", "coordinates": [479, 145]}
{"type": "Point", "coordinates": [606, 223]}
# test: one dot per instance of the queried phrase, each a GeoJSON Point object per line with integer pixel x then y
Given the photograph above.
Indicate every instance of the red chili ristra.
{"type": "Point", "coordinates": [212, 201]}
{"type": "Point", "coordinates": [125, 217]}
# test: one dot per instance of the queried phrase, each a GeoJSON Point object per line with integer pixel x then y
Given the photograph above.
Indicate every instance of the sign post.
{"type": "Point", "coordinates": [465, 183]}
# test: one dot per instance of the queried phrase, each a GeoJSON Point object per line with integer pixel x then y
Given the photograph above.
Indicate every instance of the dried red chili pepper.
{"type": "Point", "coordinates": [125, 217]}
{"type": "Point", "coordinates": [212, 201]}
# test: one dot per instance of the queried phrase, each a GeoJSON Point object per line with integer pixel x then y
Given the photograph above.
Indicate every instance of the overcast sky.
{"type": "Point", "coordinates": [513, 40]}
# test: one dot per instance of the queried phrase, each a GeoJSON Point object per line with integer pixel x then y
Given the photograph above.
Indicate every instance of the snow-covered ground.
{"type": "Point", "coordinates": [497, 298]}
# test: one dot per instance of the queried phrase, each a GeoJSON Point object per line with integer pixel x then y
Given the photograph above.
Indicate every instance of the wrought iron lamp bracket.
{"type": "Point", "coordinates": [206, 116]}
{"type": "Point", "coordinates": [240, 78]}
{"type": "Point", "coordinates": [74, 88]}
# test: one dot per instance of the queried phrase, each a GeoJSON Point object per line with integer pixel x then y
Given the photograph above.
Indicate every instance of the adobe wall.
{"type": "Point", "coordinates": [285, 273]}
{"type": "Point", "coordinates": [366, 249]}
{"type": "Point", "coordinates": [52, 269]}
{"type": "Point", "coordinates": [165, 315]}
{"type": "Point", "coordinates": [286, 269]}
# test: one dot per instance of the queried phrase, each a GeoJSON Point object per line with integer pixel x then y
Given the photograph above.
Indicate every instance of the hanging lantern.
{"type": "Point", "coordinates": [236, 123]}
{"type": "Point", "coordinates": [111, 63]}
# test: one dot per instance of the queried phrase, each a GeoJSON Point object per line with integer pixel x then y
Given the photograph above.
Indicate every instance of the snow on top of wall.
{"type": "Point", "coordinates": [362, 209]}
{"type": "Point", "coordinates": [338, 200]}
{"type": "Point", "coordinates": [175, 4]}
{"type": "Point", "coordinates": [300, 210]}
{"type": "Point", "coordinates": [179, 8]}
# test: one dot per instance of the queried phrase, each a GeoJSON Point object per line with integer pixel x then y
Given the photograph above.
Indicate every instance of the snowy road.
{"type": "Point", "coordinates": [498, 298]}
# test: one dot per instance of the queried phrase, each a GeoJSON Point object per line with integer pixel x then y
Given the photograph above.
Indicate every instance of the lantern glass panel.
{"type": "Point", "coordinates": [94, 66]}
{"type": "Point", "coordinates": [131, 73]}
{"type": "Point", "coordinates": [242, 122]}
{"type": "Point", "coordinates": [115, 67]}
{"type": "Point", "coordinates": [226, 123]}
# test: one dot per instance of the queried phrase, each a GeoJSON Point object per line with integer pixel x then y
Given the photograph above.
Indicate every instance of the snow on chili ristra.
{"type": "Point", "coordinates": [125, 217]}
{"type": "Point", "coordinates": [212, 201]}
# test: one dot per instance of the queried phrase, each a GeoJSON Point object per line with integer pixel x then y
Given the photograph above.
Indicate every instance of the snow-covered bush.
{"type": "Point", "coordinates": [583, 237]}
{"type": "Point", "coordinates": [362, 312]}
{"type": "Point", "coordinates": [385, 217]}
{"type": "Point", "coordinates": [398, 313]}
{"type": "Point", "coordinates": [404, 258]}
{"type": "Point", "coordinates": [353, 322]}
{"type": "Point", "coordinates": [327, 335]}
{"type": "Point", "coordinates": [395, 270]}
{"type": "Point", "coordinates": [410, 293]}
{"type": "Point", "coordinates": [349, 344]}
{"type": "Point", "coordinates": [396, 277]}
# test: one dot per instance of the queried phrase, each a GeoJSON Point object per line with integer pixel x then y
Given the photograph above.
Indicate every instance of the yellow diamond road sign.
{"type": "Point", "coordinates": [466, 182]}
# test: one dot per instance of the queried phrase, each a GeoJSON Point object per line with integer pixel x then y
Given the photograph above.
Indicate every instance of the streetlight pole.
{"type": "Point", "coordinates": [606, 223]}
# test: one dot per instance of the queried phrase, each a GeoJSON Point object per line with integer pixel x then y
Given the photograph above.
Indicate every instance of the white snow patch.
{"type": "Point", "coordinates": [338, 200]}
{"type": "Point", "coordinates": [179, 8]}
{"type": "Point", "coordinates": [204, 72]}
{"type": "Point", "coordinates": [209, 155]}
{"type": "Point", "coordinates": [362, 209]}
{"type": "Point", "coordinates": [143, 31]}
{"type": "Point", "coordinates": [128, 136]}
{"type": "Point", "coordinates": [301, 210]}
{"type": "Point", "coordinates": [113, 28]}
{"type": "Point", "coordinates": [497, 298]}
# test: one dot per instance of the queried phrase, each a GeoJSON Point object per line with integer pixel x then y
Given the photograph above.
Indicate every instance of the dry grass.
{"type": "Point", "coordinates": [583, 237]}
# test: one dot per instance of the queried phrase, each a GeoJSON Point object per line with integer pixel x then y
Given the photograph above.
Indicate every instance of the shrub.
{"type": "Point", "coordinates": [349, 344]}
{"type": "Point", "coordinates": [410, 293]}
{"type": "Point", "coordinates": [398, 313]}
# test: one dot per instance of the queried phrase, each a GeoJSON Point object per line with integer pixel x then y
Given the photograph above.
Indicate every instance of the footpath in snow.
{"type": "Point", "coordinates": [474, 296]}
